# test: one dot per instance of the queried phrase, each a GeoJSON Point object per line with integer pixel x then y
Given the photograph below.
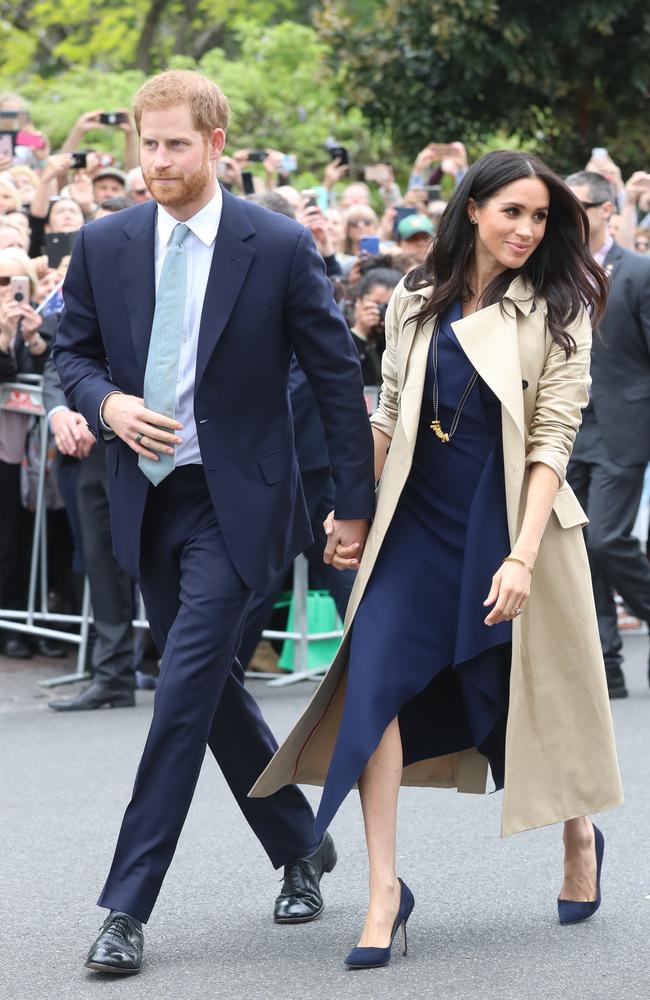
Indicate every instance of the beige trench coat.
{"type": "Point", "coordinates": [560, 753]}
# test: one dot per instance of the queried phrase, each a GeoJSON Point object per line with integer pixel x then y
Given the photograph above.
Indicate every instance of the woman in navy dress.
{"type": "Point", "coordinates": [430, 648]}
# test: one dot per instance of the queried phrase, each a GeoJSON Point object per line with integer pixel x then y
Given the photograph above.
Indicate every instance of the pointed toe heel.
{"type": "Point", "coordinates": [572, 911]}
{"type": "Point", "coordinates": [375, 958]}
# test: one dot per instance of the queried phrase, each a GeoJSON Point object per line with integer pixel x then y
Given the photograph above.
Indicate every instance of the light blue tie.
{"type": "Point", "coordinates": [161, 373]}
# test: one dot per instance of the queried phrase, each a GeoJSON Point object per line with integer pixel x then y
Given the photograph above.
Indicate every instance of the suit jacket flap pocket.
{"type": "Point", "coordinates": [569, 512]}
{"type": "Point", "coordinates": [277, 466]}
{"type": "Point", "coordinates": [639, 391]}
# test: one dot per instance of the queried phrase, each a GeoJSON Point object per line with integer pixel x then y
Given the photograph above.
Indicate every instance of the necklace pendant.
{"type": "Point", "coordinates": [438, 431]}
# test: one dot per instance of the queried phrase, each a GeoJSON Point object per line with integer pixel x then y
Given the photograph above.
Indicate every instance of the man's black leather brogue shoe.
{"type": "Point", "coordinates": [95, 696]}
{"type": "Point", "coordinates": [301, 899]}
{"type": "Point", "coordinates": [118, 949]}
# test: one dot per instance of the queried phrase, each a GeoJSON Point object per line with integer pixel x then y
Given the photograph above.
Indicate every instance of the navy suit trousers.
{"type": "Point", "coordinates": [196, 604]}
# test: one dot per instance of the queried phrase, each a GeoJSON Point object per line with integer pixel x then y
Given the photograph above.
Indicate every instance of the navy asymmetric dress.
{"type": "Point", "coordinates": [419, 648]}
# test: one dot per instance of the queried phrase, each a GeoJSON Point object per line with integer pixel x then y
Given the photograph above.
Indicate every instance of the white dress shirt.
{"type": "Point", "coordinates": [199, 247]}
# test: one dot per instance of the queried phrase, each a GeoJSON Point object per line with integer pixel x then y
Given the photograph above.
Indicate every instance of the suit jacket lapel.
{"type": "Point", "coordinates": [231, 260]}
{"type": "Point", "coordinates": [136, 268]}
{"type": "Point", "coordinates": [613, 261]}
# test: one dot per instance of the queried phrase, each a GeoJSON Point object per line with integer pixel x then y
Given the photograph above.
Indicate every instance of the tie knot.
{"type": "Point", "coordinates": [179, 233]}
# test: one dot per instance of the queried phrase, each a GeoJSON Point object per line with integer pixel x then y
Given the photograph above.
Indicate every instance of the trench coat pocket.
{"type": "Point", "coordinates": [568, 510]}
{"type": "Point", "coordinates": [277, 466]}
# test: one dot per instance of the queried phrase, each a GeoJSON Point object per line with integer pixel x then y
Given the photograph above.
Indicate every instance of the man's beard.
{"type": "Point", "coordinates": [184, 190]}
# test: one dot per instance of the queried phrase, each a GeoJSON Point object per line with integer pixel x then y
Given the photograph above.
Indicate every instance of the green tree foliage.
{"type": "Point", "coordinates": [46, 37]}
{"type": "Point", "coordinates": [281, 86]}
{"type": "Point", "coordinates": [569, 75]}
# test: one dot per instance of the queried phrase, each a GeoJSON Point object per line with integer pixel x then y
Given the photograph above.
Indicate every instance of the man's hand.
{"type": "Point", "coordinates": [129, 418]}
{"type": "Point", "coordinates": [637, 185]}
{"type": "Point", "coordinates": [71, 434]}
{"type": "Point", "coordinates": [345, 541]}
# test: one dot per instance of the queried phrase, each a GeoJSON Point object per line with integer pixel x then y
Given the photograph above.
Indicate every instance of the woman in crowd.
{"type": "Point", "coordinates": [371, 297]}
{"type": "Point", "coordinates": [471, 636]}
{"type": "Point", "coordinates": [24, 343]}
{"type": "Point", "coordinates": [9, 196]}
{"type": "Point", "coordinates": [360, 221]}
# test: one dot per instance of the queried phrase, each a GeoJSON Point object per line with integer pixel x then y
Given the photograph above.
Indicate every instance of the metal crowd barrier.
{"type": "Point", "coordinates": [25, 396]}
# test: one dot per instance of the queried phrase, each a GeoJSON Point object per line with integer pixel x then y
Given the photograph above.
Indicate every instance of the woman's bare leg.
{"type": "Point", "coordinates": [579, 861]}
{"type": "Point", "coordinates": [379, 788]}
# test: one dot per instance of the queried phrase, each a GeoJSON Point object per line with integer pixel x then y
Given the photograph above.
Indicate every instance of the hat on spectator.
{"type": "Point", "coordinates": [411, 225]}
{"type": "Point", "coordinates": [111, 172]}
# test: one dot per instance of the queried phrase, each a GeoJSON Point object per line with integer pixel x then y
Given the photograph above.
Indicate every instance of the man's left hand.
{"type": "Point", "coordinates": [345, 541]}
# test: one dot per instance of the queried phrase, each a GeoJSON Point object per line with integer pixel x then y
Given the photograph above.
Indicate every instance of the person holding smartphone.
{"type": "Point", "coordinates": [24, 344]}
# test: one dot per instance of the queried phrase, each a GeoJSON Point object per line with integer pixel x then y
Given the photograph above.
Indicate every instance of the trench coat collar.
{"type": "Point", "coordinates": [519, 291]}
{"type": "Point", "coordinates": [489, 339]}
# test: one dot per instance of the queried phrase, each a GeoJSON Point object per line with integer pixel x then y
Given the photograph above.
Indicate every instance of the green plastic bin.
{"type": "Point", "coordinates": [321, 617]}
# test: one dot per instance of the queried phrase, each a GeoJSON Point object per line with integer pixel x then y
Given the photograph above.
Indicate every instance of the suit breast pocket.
{"type": "Point", "coordinates": [258, 323]}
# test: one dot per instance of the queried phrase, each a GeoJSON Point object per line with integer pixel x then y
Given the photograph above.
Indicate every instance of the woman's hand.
{"type": "Point", "coordinates": [510, 589]}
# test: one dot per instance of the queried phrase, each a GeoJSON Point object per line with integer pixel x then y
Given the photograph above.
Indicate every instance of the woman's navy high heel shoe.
{"type": "Point", "coordinates": [571, 911]}
{"type": "Point", "coordinates": [372, 958]}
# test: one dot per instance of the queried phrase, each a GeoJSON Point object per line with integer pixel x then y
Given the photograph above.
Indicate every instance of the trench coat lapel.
{"type": "Point", "coordinates": [489, 339]}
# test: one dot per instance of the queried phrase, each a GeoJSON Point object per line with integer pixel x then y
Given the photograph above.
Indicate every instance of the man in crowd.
{"type": "Point", "coordinates": [612, 449]}
{"type": "Point", "coordinates": [189, 380]}
{"type": "Point", "coordinates": [414, 235]}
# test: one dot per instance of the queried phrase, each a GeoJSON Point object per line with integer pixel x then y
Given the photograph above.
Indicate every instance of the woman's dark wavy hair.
{"type": "Point", "coordinates": [561, 269]}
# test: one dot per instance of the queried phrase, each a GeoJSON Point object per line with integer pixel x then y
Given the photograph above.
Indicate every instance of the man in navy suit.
{"type": "Point", "coordinates": [227, 512]}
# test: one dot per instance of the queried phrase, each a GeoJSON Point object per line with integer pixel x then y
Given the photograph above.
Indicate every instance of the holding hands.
{"type": "Point", "coordinates": [345, 541]}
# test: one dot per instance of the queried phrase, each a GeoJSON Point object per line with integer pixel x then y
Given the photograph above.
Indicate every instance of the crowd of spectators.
{"type": "Point", "coordinates": [369, 230]}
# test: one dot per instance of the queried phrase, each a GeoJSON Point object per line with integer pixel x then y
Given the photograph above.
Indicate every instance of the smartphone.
{"type": "Point", "coordinates": [369, 244]}
{"type": "Point", "coordinates": [402, 212]}
{"type": "Point", "coordinates": [19, 286]}
{"type": "Point", "coordinates": [312, 200]}
{"type": "Point", "coordinates": [289, 163]}
{"type": "Point", "coordinates": [31, 139]}
{"type": "Point", "coordinates": [247, 181]}
{"type": "Point", "coordinates": [340, 153]}
{"type": "Point", "coordinates": [113, 117]}
{"type": "Point", "coordinates": [257, 156]}
{"type": "Point", "coordinates": [78, 161]}
{"type": "Point", "coordinates": [377, 172]}
{"type": "Point", "coordinates": [599, 152]}
{"type": "Point", "coordinates": [57, 246]}
{"type": "Point", "coordinates": [7, 143]}
{"type": "Point", "coordinates": [433, 191]}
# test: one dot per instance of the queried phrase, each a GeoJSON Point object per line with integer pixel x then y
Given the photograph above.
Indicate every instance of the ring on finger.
{"type": "Point", "coordinates": [138, 438]}
{"type": "Point", "coordinates": [516, 610]}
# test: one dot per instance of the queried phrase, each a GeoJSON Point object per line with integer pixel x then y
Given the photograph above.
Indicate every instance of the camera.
{"type": "Point", "coordinates": [78, 161]}
{"type": "Point", "coordinates": [19, 285]}
{"type": "Point", "coordinates": [257, 156]}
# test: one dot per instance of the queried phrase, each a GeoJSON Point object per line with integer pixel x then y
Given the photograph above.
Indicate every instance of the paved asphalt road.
{"type": "Point", "coordinates": [484, 926]}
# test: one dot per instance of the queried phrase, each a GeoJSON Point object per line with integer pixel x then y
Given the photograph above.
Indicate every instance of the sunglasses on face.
{"type": "Point", "coordinates": [641, 245]}
{"type": "Point", "coordinates": [354, 223]}
{"type": "Point", "coordinates": [592, 204]}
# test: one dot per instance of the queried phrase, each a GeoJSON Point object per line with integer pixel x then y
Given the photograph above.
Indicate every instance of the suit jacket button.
{"type": "Point", "coordinates": [524, 384]}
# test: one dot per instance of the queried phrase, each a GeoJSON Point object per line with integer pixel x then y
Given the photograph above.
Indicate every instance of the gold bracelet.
{"type": "Point", "coordinates": [520, 561]}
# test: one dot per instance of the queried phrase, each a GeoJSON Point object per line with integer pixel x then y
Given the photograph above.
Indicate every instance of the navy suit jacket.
{"type": "Point", "coordinates": [267, 295]}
